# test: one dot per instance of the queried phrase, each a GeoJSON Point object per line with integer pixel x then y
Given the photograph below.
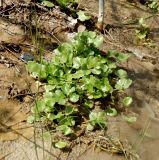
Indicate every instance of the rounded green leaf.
{"type": "Point", "coordinates": [76, 62]}
{"type": "Point", "coordinates": [123, 83]}
{"type": "Point", "coordinates": [47, 3]}
{"type": "Point", "coordinates": [98, 41]}
{"type": "Point", "coordinates": [51, 116]}
{"type": "Point", "coordinates": [66, 120]}
{"type": "Point", "coordinates": [98, 118]}
{"type": "Point", "coordinates": [61, 144]}
{"type": "Point", "coordinates": [101, 118]}
{"type": "Point", "coordinates": [127, 101]}
{"type": "Point", "coordinates": [96, 71]}
{"type": "Point", "coordinates": [39, 107]}
{"type": "Point", "coordinates": [82, 17]}
{"type": "Point", "coordinates": [46, 135]}
{"type": "Point", "coordinates": [111, 65]}
{"type": "Point", "coordinates": [65, 129]}
{"type": "Point", "coordinates": [89, 104]}
{"type": "Point", "coordinates": [30, 119]}
{"type": "Point", "coordinates": [130, 119]}
{"type": "Point", "coordinates": [49, 87]}
{"type": "Point", "coordinates": [111, 112]}
{"type": "Point", "coordinates": [36, 69]}
{"type": "Point", "coordinates": [89, 127]}
{"type": "Point", "coordinates": [67, 89]}
{"type": "Point", "coordinates": [104, 68]}
{"type": "Point", "coordinates": [62, 101]}
{"type": "Point", "coordinates": [59, 115]}
{"type": "Point", "coordinates": [74, 97]}
{"type": "Point", "coordinates": [97, 94]}
{"type": "Point", "coordinates": [69, 110]}
{"type": "Point", "coordinates": [122, 57]}
{"type": "Point", "coordinates": [121, 73]}
{"type": "Point", "coordinates": [78, 74]}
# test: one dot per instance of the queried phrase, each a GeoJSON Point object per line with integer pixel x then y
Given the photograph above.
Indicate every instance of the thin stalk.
{"type": "Point", "coordinates": [100, 15]}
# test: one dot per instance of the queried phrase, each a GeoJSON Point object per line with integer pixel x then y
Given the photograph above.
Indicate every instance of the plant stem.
{"type": "Point", "coordinates": [100, 15]}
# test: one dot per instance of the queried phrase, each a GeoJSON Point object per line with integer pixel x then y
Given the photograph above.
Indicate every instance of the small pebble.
{"type": "Point", "coordinates": [26, 57]}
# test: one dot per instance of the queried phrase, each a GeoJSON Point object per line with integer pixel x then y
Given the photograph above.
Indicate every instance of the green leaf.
{"type": "Point", "coordinates": [118, 55]}
{"type": "Point", "coordinates": [37, 70]}
{"type": "Point", "coordinates": [46, 135]}
{"type": "Point", "coordinates": [89, 80]}
{"type": "Point", "coordinates": [74, 97]}
{"type": "Point", "coordinates": [65, 3]}
{"type": "Point", "coordinates": [98, 41]}
{"type": "Point", "coordinates": [49, 88]}
{"type": "Point", "coordinates": [127, 101]}
{"type": "Point", "coordinates": [50, 116]}
{"type": "Point", "coordinates": [49, 98]}
{"type": "Point", "coordinates": [67, 120]}
{"type": "Point", "coordinates": [76, 62]}
{"type": "Point", "coordinates": [59, 94]}
{"type": "Point", "coordinates": [69, 110]}
{"type": "Point", "coordinates": [64, 50]}
{"type": "Point", "coordinates": [103, 85]}
{"type": "Point", "coordinates": [97, 94]}
{"type": "Point", "coordinates": [49, 108]}
{"type": "Point", "coordinates": [92, 62]}
{"type": "Point", "coordinates": [65, 129]}
{"type": "Point", "coordinates": [96, 71]}
{"type": "Point", "coordinates": [53, 81]}
{"type": "Point", "coordinates": [122, 57]}
{"type": "Point", "coordinates": [47, 4]}
{"type": "Point", "coordinates": [121, 73]}
{"type": "Point", "coordinates": [89, 127]}
{"type": "Point", "coordinates": [101, 118]}
{"type": "Point", "coordinates": [89, 88]}
{"type": "Point", "coordinates": [82, 17]}
{"type": "Point", "coordinates": [48, 94]}
{"type": "Point", "coordinates": [68, 77]}
{"type": "Point", "coordinates": [78, 74]}
{"type": "Point", "coordinates": [68, 89]}
{"type": "Point", "coordinates": [98, 118]}
{"type": "Point", "coordinates": [105, 68]}
{"type": "Point", "coordinates": [111, 53]}
{"type": "Point", "coordinates": [59, 115]}
{"type": "Point", "coordinates": [123, 83]}
{"type": "Point", "coordinates": [142, 23]}
{"type": "Point", "coordinates": [61, 144]}
{"type": "Point", "coordinates": [62, 101]}
{"type": "Point", "coordinates": [154, 5]}
{"type": "Point", "coordinates": [39, 107]}
{"type": "Point", "coordinates": [141, 34]}
{"type": "Point", "coordinates": [111, 112]}
{"type": "Point", "coordinates": [89, 104]}
{"type": "Point", "coordinates": [130, 119]}
{"type": "Point", "coordinates": [86, 72]}
{"type": "Point", "coordinates": [111, 65]}
{"type": "Point", "coordinates": [30, 119]}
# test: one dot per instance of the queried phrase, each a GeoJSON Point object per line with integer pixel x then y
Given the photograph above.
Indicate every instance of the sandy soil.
{"type": "Point", "coordinates": [17, 138]}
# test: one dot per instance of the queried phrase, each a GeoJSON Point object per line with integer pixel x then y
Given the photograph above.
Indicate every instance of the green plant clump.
{"type": "Point", "coordinates": [153, 5]}
{"type": "Point", "coordinates": [143, 32]}
{"type": "Point", "coordinates": [75, 78]}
